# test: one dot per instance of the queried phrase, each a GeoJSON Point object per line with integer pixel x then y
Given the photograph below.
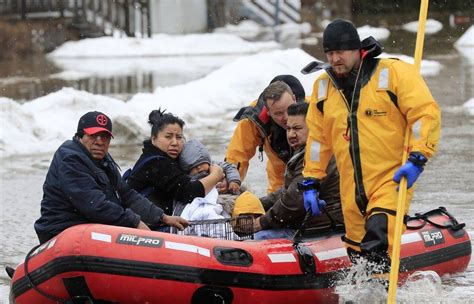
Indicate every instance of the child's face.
{"type": "Point", "coordinates": [204, 167]}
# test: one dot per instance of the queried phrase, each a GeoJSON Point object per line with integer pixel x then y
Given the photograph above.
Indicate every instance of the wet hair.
{"type": "Point", "coordinates": [299, 108]}
{"type": "Point", "coordinates": [275, 90]}
{"type": "Point", "coordinates": [158, 120]}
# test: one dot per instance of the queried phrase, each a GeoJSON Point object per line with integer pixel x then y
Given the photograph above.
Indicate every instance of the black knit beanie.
{"type": "Point", "coordinates": [340, 35]}
{"type": "Point", "coordinates": [294, 84]}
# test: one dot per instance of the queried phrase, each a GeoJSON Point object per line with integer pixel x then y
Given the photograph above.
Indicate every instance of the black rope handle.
{"type": "Point", "coordinates": [424, 217]}
{"type": "Point", "coordinates": [30, 281]}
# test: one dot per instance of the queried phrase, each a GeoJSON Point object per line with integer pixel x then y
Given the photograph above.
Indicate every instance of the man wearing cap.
{"type": "Point", "coordinates": [359, 111]}
{"type": "Point", "coordinates": [83, 185]}
{"type": "Point", "coordinates": [263, 125]}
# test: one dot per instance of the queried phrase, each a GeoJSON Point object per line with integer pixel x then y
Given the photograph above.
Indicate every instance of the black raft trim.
{"type": "Point", "coordinates": [216, 277]}
{"type": "Point", "coordinates": [172, 273]}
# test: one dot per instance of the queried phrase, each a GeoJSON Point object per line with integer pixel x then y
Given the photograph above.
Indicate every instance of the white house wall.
{"type": "Point", "coordinates": [178, 16]}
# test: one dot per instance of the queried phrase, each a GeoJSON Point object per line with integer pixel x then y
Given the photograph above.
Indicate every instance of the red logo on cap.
{"type": "Point", "coordinates": [101, 119]}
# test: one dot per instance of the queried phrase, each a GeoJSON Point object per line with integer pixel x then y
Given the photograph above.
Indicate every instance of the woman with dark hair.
{"type": "Point", "coordinates": [157, 173]}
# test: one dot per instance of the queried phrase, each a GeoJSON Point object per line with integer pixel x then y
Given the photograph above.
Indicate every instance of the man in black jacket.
{"type": "Point", "coordinates": [83, 185]}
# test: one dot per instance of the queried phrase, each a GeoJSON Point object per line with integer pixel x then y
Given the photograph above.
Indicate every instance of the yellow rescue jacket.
{"type": "Point", "coordinates": [367, 135]}
{"type": "Point", "coordinates": [255, 129]}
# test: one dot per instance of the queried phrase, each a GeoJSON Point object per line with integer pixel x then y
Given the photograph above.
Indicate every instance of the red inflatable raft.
{"type": "Point", "coordinates": [106, 264]}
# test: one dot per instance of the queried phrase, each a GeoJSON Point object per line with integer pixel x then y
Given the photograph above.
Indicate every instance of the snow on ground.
{"type": "Point", "coordinates": [379, 33]}
{"type": "Point", "coordinates": [469, 105]}
{"type": "Point", "coordinates": [432, 26]}
{"type": "Point", "coordinates": [161, 45]}
{"type": "Point", "coordinates": [465, 44]}
{"type": "Point", "coordinates": [34, 127]}
{"type": "Point", "coordinates": [428, 67]}
{"type": "Point", "coordinates": [162, 54]}
{"type": "Point", "coordinates": [246, 29]}
{"type": "Point", "coordinates": [467, 39]}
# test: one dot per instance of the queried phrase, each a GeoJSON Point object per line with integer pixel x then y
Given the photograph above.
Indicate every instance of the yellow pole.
{"type": "Point", "coordinates": [402, 194]}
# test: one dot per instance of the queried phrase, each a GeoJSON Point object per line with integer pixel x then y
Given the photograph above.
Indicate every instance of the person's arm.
{"type": "Point", "coordinates": [215, 175]}
{"type": "Point", "coordinates": [231, 172]}
{"type": "Point", "coordinates": [88, 197]}
{"type": "Point", "coordinates": [419, 108]}
{"type": "Point", "coordinates": [175, 221]}
{"type": "Point", "coordinates": [329, 189]}
{"type": "Point", "coordinates": [142, 226]}
{"type": "Point", "coordinates": [167, 176]}
{"type": "Point", "coordinates": [318, 153]}
{"type": "Point", "coordinates": [270, 199]}
{"type": "Point", "coordinates": [231, 182]}
{"type": "Point", "coordinates": [275, 172]}
{"type": "Point", "coordinates": [243, 145]}
{"type": "Point", "coordinates": [287, 210]}
{"type": "Point", "coordinates": [149, 213]}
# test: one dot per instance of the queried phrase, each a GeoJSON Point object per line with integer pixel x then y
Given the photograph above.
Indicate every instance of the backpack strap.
{"type": "Point", "coordinates": [138, 165]}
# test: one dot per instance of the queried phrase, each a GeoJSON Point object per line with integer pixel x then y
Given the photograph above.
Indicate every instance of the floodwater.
{"type": "Point", "coordinates": [447, 180]}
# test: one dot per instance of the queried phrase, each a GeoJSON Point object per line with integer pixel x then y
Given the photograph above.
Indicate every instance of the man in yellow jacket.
{"type": "Point", "coordinates": [359, 110]}
{"type": "Point", "coordinates": [264, 127]}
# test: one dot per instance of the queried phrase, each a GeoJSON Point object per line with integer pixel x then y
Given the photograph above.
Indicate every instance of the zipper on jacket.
{"type": "Point", "coordinates": [360, 197]}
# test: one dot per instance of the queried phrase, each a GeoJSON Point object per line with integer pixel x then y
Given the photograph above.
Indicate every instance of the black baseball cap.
{"type": "Point", "coordinates": [94, 122]}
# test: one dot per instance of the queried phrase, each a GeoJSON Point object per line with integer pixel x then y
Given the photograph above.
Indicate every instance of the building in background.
{"type": "Point", "coordinates": [178, 16]}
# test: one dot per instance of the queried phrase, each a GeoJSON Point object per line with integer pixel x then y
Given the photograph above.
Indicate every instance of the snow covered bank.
{"type": "Point", "coordinates": [469, 105]}
{"type": "Point", "coordinates": [428, 67]}
{"type": "Point", "coordinates": [431, 27]}
{"type": "Point", "coordinates": [379, 33]}
{"type": "Point", "coordinates": [465, 44]}
{"type": "Point", "coordinates": [161, 45]}
{"type": "Point", "coordinates": [44, 123]}
{"type": "Point", "coordinates": [192, 55]}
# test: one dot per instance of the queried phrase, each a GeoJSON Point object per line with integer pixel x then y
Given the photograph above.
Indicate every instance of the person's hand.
{"type": "Point", "coordinates": [256, 224]}
{"type": "Point", "coordinates": [243, 224]}
{"type": "Point", "coordinates": [142, 226]}
{"type": "Point", "coordinates": [312, 203]}
{"type": "Point", "coordinates": [222, 186]}
{"type": "Point", "coordinates": [175, 221]}
{"type": "Point", "coordinates": [234, 187]}
{"type": "Point", "coordinates": [216, 170]}
{"type": "Point", "coordinates": [411, 169]}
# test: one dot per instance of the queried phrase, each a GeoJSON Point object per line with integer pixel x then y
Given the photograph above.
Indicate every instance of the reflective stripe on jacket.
{"type": "Point", "coordinates": [285, 208]}
{"type": "Point", "coordinates": [368, 143]}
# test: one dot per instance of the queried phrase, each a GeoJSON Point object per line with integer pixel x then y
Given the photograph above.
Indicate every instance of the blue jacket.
{"type": "Point", "coordinates": [169, 182]}
{"type": "Point", "coordinates": [79, 189]}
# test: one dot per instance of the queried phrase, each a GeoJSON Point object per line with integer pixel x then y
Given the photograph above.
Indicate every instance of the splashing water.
{"type": "Point", "coordinates": [420, 287]}
{"type": "Point", "coordinates": [359, 285]}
